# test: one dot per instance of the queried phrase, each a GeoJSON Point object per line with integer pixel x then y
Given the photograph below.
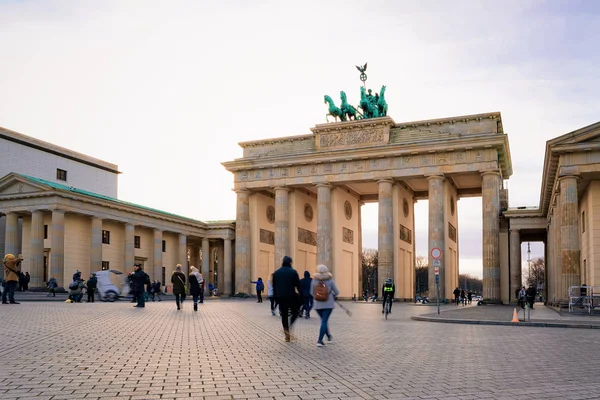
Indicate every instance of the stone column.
{"type": "Point", "coordinates": [227, 272]}
{"type": "Point", "coordinates": [385, 232]}
{"type": "Point", "coordinates": [436, 233]}
{"type": "Point", "coordinates": [515, 263]}
{"type": "Point", "coordinates": [57, 251]}
{"type": "Point", "coordinates": [282, 224]}
{"type": "Point", "coordinates": [359, 269]}
{"type": "Point", "coordinates": [129, 247]}
{"type": "Point", "coordinates": [2, 240]}
{"type": "Point", "coordinates": [206, 264]}
{"type": "Point", "coordinates": [182, 254]}
{"type": "Point", "coordinates": [490, 188]}
{"type": "Point", "coordinates": [569, 236]}
{"type": "Point", "coordinates": [324, 238]}
{"type": "Point", "coordinates": [158, 256]}
{"type": "Point", "coordinates": [96, 245]}
{"type": "Point", "coordinates": [242, 242]}
{"type": "Point", "coordinates": [11, 245]}
{"type": "Point", "coordinates": [36, 258]}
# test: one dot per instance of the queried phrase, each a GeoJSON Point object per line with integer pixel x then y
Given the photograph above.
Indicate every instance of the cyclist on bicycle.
{"type": "Point", "coordinates": [388, 289]}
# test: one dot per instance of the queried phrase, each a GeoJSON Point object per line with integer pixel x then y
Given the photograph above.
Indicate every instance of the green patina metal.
{"type": "Point", "coordinates": [372, 105]}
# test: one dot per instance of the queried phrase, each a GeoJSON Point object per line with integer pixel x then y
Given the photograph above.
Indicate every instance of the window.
{"type": "Point", "coordinates": [137, 242]}
{"type": "Point", "coordinates": [61, 174]}
{"type": "Point", "coordinates": [105, 265]}
{"type": "Point", "coordinates": [164, 275]}
{"type": "Point", "coordinates": [583, 222]}
{"type": "Point", "coordinates": [164, 246]}
{"type": "Point", "coordinates": [106, 237]}
{"type": "Point", "coordinates": [45, 231]}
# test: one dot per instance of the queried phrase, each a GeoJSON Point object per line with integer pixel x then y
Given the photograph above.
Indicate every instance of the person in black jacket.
{"type": "Point", "coordinates": [305, 291]}
{"type": "Point", "coordinates": [286, 290]}
{"type": "Point", "coordinates": [91, 287]}
{"type": "Point", "coordinates": [138, 280]}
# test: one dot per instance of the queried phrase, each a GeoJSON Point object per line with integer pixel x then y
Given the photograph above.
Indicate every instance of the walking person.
{"type": "Point", "coordinates": [456, 293]}
{"type": "Point", "coordinates": [260, 287]}
{"type": "Point", "coordinates": [286, 289]}
{"type": "Point", "coordinates": [52, 285]}
{"type": "Point", "coordinates": [196, 287]}
{"type": "Point", "coordinates": [178, 281]}
{"type": "Point", "coordinates": [138, 279]}
{"type": "Point", "coordinates": [91, 284]}
{"type": "Point", "coordinates": [305, 291]}
{"type": "Point", "coordinates": [12, 269]}
{"type": "Point", "coordinates": [156, 290]}
{"type": "Point", "coordinates": [270, 295]}
{"type": "Point", "coordinates": [324, 291]}
{"type": "Point", "coordinates": [463, 297]}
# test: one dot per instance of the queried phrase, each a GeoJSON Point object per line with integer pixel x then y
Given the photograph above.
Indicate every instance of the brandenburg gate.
{"type": "Point", "coordinates": [301, 196]}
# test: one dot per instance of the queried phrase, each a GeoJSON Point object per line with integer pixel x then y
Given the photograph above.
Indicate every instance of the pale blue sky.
{"type": "Point", "coordinates": [166, 90]}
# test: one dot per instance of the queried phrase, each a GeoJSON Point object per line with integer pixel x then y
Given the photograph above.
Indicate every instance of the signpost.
{"type": "Point", "coordinates": [436, 254]}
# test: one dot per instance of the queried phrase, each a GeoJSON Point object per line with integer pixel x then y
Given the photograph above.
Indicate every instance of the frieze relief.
{"type": "Point", "coordinates": [306, 236]}
{"type": "Point", "coordinates": [375, 135]}
{"type": "Point", "coordinates": [267, 237]}
{"type": "Point", "coordinates": [348, 236]}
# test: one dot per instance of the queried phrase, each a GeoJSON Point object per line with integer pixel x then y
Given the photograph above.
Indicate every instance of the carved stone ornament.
{"type": "Point", "coordinates": [452, 205]}
{"type": "Point", "coordinates": [308, 212]}
{"type": "Point", "coordinates": [348, 209]}
{"type": "Point", "coordinates": [271, 214]}
{"type": "Point", "coordinates": [306, 236]}
{"type": "Point", "coordinates": [267, 237]}
{"type": "Point", "coordinates": [348, 235]}
{"type": "Point", "coordinates": [405, 207]}
{"type": "Point", "coordinates": [375, 135]}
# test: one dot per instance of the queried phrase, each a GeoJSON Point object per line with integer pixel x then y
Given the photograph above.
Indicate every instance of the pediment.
{"type": "Point", "coordinates": [588, 134]}
{"type": "Point", "coordinates": [15, 184]}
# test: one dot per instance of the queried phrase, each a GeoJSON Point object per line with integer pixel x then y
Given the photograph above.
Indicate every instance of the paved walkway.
{"type": "Point", "coordinates": [234, 349]}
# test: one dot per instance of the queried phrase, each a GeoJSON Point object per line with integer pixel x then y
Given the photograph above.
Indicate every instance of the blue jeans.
{"type": "Point", "coordinates": [308, 305]}
{"type": "Point", "coordinates": [9, 290]}
{"type": "Point", "coordinates": [324, 313]}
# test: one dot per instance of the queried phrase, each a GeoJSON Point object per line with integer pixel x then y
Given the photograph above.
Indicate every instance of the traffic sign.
{"type": "Point", "coordinates": [436, 253]}
{"type": "Point", "coordinates": [437, 279]}
{"type": "Point", "coordinates": [436, 270]}
{"type": "Point", "coordinates": [437, 263]}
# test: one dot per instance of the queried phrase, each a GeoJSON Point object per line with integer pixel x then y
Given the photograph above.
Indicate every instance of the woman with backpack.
{"type": "Point", "coordinates": [260, 287]}
{"type": "Point", "coordinates": [323, 290]}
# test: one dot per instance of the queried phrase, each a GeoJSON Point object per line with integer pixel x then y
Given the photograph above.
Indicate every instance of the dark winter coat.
{"type": "Point", "coordinates": [178, 281]}
{"type": "Point", "coordinates": [286, 283]}
{"type": "Point", "coordinates": [92, 283]}
{"type": "Point", "coordinates": [305, 285]}
{"type": "Point", "coordinates": [195, 286]}
{"type": "Point", "coordinates": [138, 279]}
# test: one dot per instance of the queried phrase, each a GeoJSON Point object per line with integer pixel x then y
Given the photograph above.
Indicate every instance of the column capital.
{"type": "Point", "coordinates": [435, 176]}
{"type": "Point", "coordinates": [565, 177]}
{"type": "Point", "coordinates": [287, 189]}
{"type": "Point", "coordinates": [241, 191]}
{"type": "Point", "coordinates": [385, 180]}
{"type": "Point", "coordinates": [324, 184]}
{"type": "Point", "coordinates": [515, 230]}
{"type": "Point", "coordinates": [490, 172]}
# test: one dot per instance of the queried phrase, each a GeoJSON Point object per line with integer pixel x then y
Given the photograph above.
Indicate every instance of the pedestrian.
{"type": "Point", "coordinates": [270, 295]}
{"type": "Point", "coordinates": [178, 281]}
{"type": "Point", "coordinates": [456, 294]}
{"type": "Point", "coordinates": [12, 270]}
{"type": "Point", "coordinates": [260, 287]}
{"type": "Point", "coordinates": [463, 297]}
{"type": "Point", "coordinates": [22, 282]}
{"type": "Point", "coordinates": [306, 293]}
{"type": "Point", "coordinates": [522, 296]}
{"type": "Point", "coordinates": [196, 285]}
{"type": "Point", "coordinates": [530, 292]}
{"type": "Point", "coordinates": [27, 280]}
{"type": "Point", "coordinates": [76, 291]}
{"type": "Point", "coordinates": [202, 287]}
{"type": "Point", "coordinates": [156, 290]}
{"type": "Point", "coordinates": [323, 279]}
{"type": "Point", "coordinates": [138, 279]}
{"type": "Point", "coordinates": [91, 284]}
{"type": "Point", "coordinates": [52, 285]}
{"type": "Point", "coordinates": [469, 297]}
{"type": "Point", "coordinates": [286, 289]}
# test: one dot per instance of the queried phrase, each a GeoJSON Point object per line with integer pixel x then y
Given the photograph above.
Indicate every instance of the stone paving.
{"type": "Point", "coordinates": [234, 349]}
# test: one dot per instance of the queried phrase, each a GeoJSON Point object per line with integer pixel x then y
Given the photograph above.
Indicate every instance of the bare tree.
{"type": "Point", "coordinates": [422, 274]}
{"type": "Point", "coordinates": [370, 261]}
{"type": "Point", "coordinates": [470, 283]}
{"type": "Point", "coordinates": [534, 276]}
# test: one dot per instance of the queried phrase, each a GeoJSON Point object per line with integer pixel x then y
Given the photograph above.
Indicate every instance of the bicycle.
{"type": "Point", "coordinates": [387, 306]}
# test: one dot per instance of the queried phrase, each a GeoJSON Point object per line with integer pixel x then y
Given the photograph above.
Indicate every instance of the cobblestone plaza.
{"type": "Point", "coordinates": [234, 349]}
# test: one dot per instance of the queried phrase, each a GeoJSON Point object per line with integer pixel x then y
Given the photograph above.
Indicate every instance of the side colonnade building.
{"type": "Point", "coordinates": [73, 221]}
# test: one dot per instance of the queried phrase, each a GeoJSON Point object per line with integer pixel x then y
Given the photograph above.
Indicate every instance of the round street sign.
{"type": "Point", "coordinates": [436, 253]}
{"type": "Point", "coordinates": [436, 270]}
